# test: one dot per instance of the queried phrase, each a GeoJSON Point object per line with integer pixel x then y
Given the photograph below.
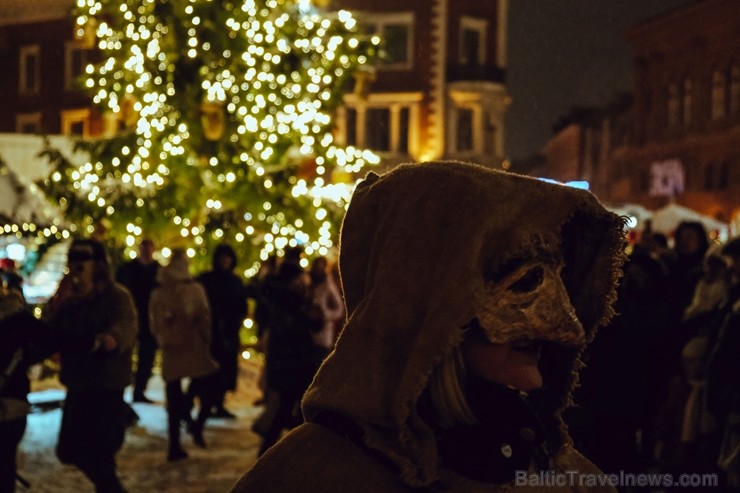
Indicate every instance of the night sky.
{"type": "Point", "coordinates": [563, 53]}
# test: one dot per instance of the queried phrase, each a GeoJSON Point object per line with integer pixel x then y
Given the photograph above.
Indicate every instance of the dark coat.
{"type": "Point", "coordinates": [292, 358]}
{"type": "Point", "coordinates": [140, 280]}
{"type": "Point", "coordinates": [723, 364]}
{"type": "Point", "coordinates": [111, 311]}
{"type": "Point", "coordinates": [228, 301]}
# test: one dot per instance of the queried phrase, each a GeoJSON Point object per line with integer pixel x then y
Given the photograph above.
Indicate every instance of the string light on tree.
{"type": "Point", "coordinates": [220, 115]}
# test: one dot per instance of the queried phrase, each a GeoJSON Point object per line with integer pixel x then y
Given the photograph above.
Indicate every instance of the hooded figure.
{"type": "Point", "coordinates": [227, 297]}
{"type": "Point", "coordinates": [442, 265]}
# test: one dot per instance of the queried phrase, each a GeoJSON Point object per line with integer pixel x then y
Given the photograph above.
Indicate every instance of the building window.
{"type": "Point", "coordinates": [28, 123]}
{"type": "Point", "coordinates": [382, 123]}
{"type": "Point", "coordinates": [489, 140]}
{"type": "Point", "coordinates": [75, 61]}
{"type": "Point", "coordinates": [686, 102]}
{"type": "Point", "coordinates": [473, 41]}
{"type": "Point", "coordinates": [709, 177]}
{"type": "Point", "coordinates": [378, 129]}
{"type": "Point", "coordinates": [673, 105]}
{"type": "Point", "coordinates": [30, 70]}
{"type": "Point", "coordinates": [76, 122]}
{"type": "Point", "coordinates": [396, 31]}
{"type": "Point", "coordinates": [719, 87]}
{"type": "Point", "coordinates": [723, 177]}
{"type": "Point", "coordinates": [735, 89]}
{"type": "Point", "coordinates": [464, 141]}
{"type": "Point", "coordinates": [350, 126]}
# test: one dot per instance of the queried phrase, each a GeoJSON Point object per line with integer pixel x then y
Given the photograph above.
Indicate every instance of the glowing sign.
{"type": "Point", "coordinates": [667, 178]}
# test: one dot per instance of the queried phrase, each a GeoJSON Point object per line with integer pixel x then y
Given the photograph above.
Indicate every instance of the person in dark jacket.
{"type": "Point", "coordinates": [24, 340]}
{"type": "Point", "coordinates": [292, 357]}
{"type": "Point", "coordinates": [723, 371]}
{"type": "Point", "coordinates": [90, 303]}
{"type": "Point", "coordinates": [685, 269]}
{"type": "Point", "coordinates": [139, 276]}
{"type": "Point", "coordinates": [227, 298]}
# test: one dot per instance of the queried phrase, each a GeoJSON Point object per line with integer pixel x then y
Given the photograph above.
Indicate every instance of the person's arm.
{"type": "Point", "coordinates": [202, 313]}
{"type": "Point", "coordinates": [121, 334]}
{"type": "Point", "coordinates": [156, 312]}
{"type": "Point", "coordinates": [334, 303]}
{"type": "Point", "coordinates": [41, 341]}
{"type": "Point", "coordinates": [123, 275]}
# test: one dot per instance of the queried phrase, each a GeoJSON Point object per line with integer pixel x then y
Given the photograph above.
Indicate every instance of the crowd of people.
{"type": "Point", "coordinates": [660, 390]}
{"type": "Point", "coordinates": [107, 329]}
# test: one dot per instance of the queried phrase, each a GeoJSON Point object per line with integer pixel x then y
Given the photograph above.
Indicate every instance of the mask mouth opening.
{"type": "Point", "coordinates": [531, 347]}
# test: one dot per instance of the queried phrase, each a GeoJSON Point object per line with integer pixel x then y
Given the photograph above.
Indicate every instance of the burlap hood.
{"type": "Point", "coordinates": [414, 246]}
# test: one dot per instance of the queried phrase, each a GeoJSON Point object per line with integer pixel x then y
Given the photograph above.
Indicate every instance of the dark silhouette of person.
{"type": "Point", "coordinates": [139, 276]}
{"type": "Point", "coordinates": [617, 401]}
{"type": "Point", "coordinates": [24, 340]}
{"type": "Point", "coordinates": [292, 357]}
{"type": "Point", "coordinates": [94, 418]}
{"type": "Point", "coordinates": [227, 298]}
{"type": "Point", "coordinates": [10, 277]}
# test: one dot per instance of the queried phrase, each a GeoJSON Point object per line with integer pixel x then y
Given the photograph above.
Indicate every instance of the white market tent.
{"type": "Point", "coordinates": [666, 219]}
{"type": "Point", "coordinates": [21, 201]}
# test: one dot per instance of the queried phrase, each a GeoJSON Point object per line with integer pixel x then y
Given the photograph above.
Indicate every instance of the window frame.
{"type": "Point", "coordinates": [469, 101]}
{"type": "Point", "coordinates": [395, 103]}
{"type": "Point", "coordinates": [73, 116]}
{"type": "Point", "coordinates": [69, 77]}
{"type": "Point", "coordinates": [718, 96]}
{"type": "Point", "coordinates": [23, 119]}
{"type": "Point", "coordinates": [733, 88]}
{"type": "Point", "coordinates": [480, 27]}
{"type": "Point", "coordinates": [24, 53]}
{"type": "Point", "coordinates": [378, 22]}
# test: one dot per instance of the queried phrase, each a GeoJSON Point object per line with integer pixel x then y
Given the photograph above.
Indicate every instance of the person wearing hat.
{"type": "Point", "coordinates": [89, 302]}
{"type": "Point", "coordinates": [470, 295]}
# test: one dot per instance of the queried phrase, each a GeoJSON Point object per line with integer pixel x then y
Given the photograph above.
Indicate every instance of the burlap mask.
{"type": "Point", "coordinates": [530, 302]}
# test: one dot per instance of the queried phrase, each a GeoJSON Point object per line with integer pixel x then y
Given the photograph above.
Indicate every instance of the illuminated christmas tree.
{"type": "Point", "coordinates": [218, 125]}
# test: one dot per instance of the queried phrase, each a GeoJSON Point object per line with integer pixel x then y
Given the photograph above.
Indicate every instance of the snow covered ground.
{"type": "Point", "coordinates": [142, 462]}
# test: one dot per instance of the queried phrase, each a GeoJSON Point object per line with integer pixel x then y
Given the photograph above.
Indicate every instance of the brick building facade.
{"type": "Point", "coordinates": [42, 60]}
{"type": "Point", "coordinates": [440, 92]}
{"type": "Point", "coordinates": [686, 120]}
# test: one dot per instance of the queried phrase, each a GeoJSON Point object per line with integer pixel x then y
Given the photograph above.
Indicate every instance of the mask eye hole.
{"type": "Point", "coordinates": [530, 281]}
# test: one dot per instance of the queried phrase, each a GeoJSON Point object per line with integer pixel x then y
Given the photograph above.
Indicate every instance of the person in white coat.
{"type": "Point", "coordinates": [180, 319]}
{"type": "Point", "coordinates": [327, 303]}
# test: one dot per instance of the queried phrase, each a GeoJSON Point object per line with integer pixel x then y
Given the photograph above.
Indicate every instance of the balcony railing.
{"type": "Point", "coordinates": [488, 73]}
